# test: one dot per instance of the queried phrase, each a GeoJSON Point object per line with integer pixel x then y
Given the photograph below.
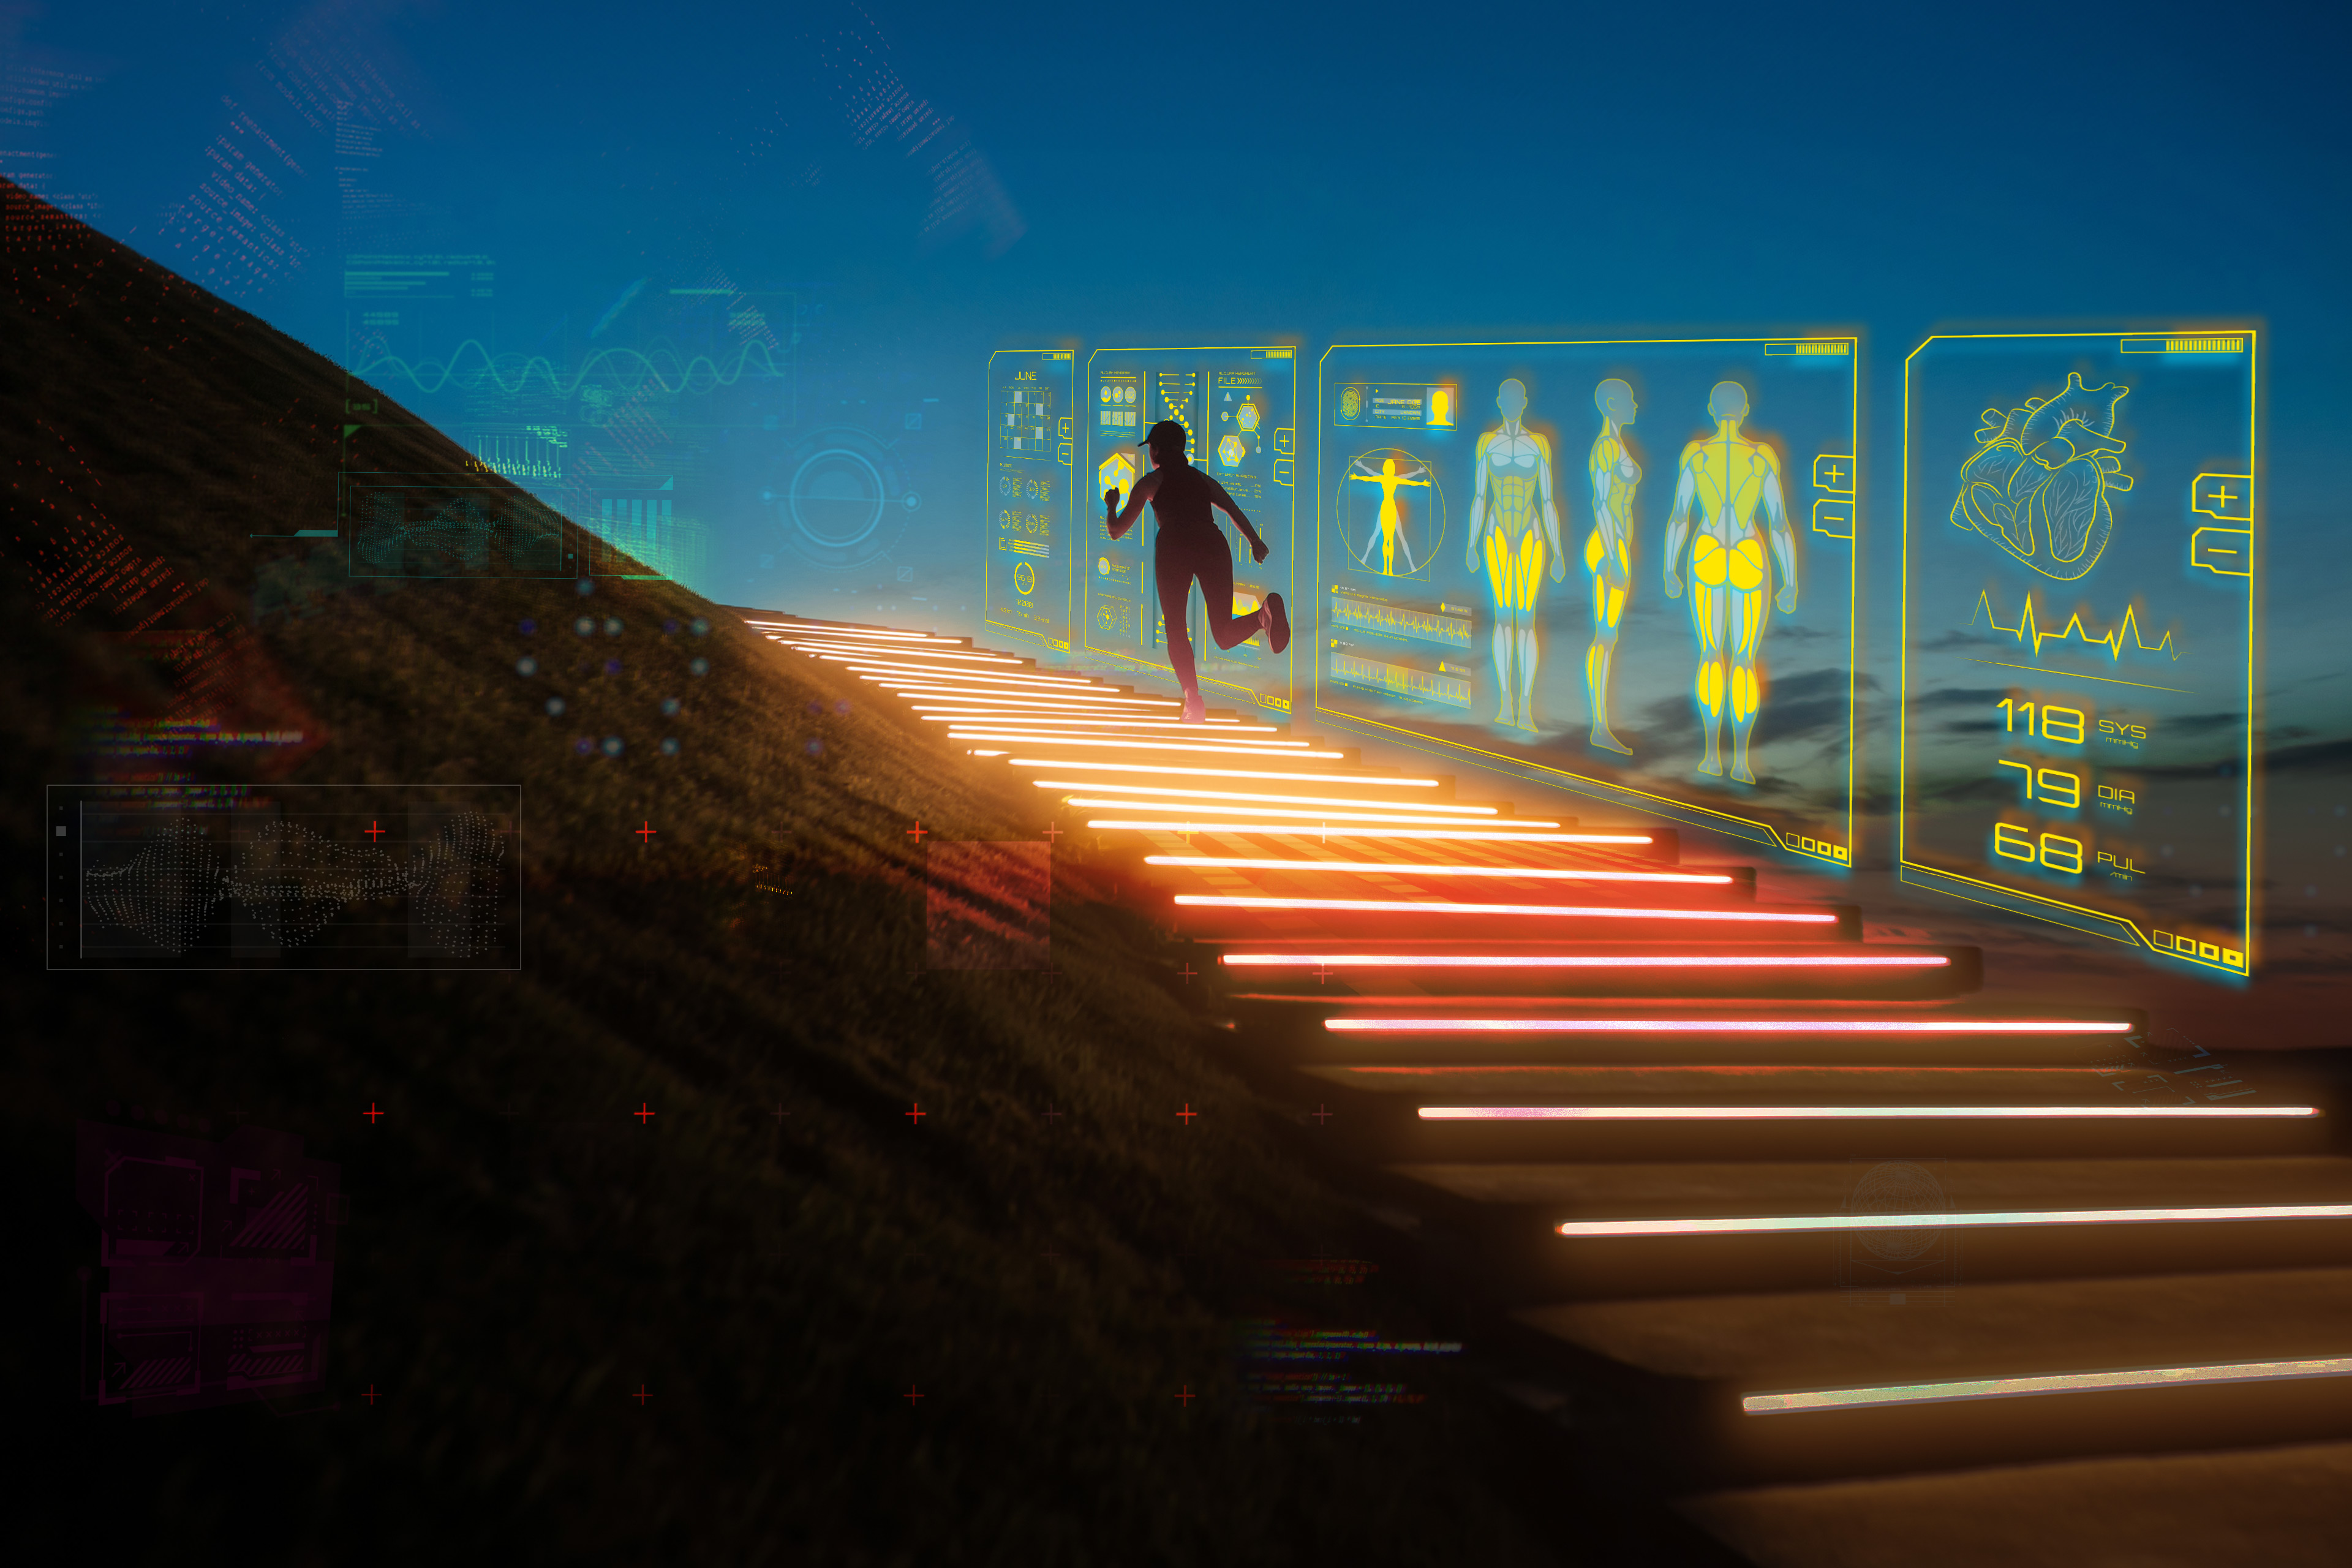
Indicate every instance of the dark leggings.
{"type": "Point", "coordinates": [1179, 556]}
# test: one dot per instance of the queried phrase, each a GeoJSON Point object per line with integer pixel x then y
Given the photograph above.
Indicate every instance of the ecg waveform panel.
{"type": "Point", "coordinates": [2079, 655]}
{"type": "Point", "coordinates": [309, 876]}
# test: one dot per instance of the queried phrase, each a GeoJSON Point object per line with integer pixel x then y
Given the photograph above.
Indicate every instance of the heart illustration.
{"type": "Point", "coordinates": [2038, 483]}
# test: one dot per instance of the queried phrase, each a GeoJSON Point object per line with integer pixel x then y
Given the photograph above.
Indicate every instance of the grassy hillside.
{"type": "Point", "coordinates": [780, 1253]}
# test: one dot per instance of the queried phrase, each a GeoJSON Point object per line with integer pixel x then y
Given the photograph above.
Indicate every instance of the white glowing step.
{"type": "Point", "coordinates": [1856, 1112]}
{"type": "Point", "coordinates": [1409, 869]}
{"type": "Point", "coordinates": [1076, 732]}
{"type": "Point", "coordinates": [1783, 1225]}
{"type": "Point", "coordinates": [888, 674]}
{"type": "Point", "coordinates": [1564, 911]}
{"type": "Point", "coordinates": [1422, 817]}
{"type": "Point", "coordinates": [1324, 830]}
{"type": "Point", "coordinates": [1729, 1026]}
{"type": "Point", "coordinates": [1157, 768]}
{"type": "Point", "coordinates": [2049, 1383]}
{"type": "Point", "coordinates": [1186, 797]}
{"type": "Point", "coordinates": [1583, 960]}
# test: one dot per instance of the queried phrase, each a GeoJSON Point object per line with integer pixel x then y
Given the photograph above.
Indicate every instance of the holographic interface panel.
{"type": "Point", "coordinates": [1025, 573]}
{"type": "Point", "coordinates": [1630, 564]}
{"type": "Point", "coordinates": [2078, 636]}
{"type": "Point", "coordinates": [1237, 406]}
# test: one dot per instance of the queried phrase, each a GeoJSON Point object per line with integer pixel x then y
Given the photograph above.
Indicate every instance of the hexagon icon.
{"type": "Point", "coordinates": [1247, 417]}
{"type": "Point", "coordinates": [1116, 473]}
{"type": "Point", "coordinates": [1229, 451]}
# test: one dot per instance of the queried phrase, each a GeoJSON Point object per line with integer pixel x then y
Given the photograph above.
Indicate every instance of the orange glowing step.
{"type": "Point", "coordinates": [1505, 976]}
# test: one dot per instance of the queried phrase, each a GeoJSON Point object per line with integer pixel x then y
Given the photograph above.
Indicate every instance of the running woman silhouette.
{"type": "Point", "coordinates": [1190, 545]}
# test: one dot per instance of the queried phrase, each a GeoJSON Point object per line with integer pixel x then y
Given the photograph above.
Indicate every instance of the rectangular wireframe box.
{"type": "Point", "coordinates": [284, 876]}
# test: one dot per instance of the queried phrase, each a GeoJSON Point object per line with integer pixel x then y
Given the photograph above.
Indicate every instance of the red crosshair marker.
{"type": "Point", "coordinates": [917, 832]}
{"type": "Point", "coordinates": [911, 1395]}
{"type": "Point", "coordinates": [1320, 1114]}
{"type": "Point", "coordinates": [1188, 1113]}
{"type": "Point", "coordinates": [1187, 973]}
{"type": "Point", "coordinates": [641, 1114]}
{"type": "Point", "coordinates": [1052, 1115]}
{"type": "Point", "coordinates": [374, 832]}
{"type": "Point", "coordinates": [1187, 1396]}
{"type": "Point", "coordinates": [916, 1114]}
{"type": "Point", "coordinates": [780, 1113]}
{"type": "Point", "coordinates": [1052, 833]}
{"type": "Point", "coordinates": [1322, 975]}
{"type": "Point", "coordinates": [371, 1395]}
{"type": "Point", "coordinates": [646, 834]}
{"type": "Point", "coordinates": [642, 1395]}
{"type": "Point", "coordinates": [372, 1113]}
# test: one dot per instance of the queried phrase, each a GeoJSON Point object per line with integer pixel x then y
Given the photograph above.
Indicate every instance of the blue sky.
{"type": "Point", "coordinates": [1232, 172]}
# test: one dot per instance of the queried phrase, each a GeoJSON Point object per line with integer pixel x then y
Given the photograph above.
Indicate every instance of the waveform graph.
{"type": "Point", "coordinates": [314, 876]}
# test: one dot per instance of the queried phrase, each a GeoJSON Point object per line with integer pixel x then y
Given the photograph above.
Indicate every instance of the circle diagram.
{"type": "Point", "coordinates": [842, 498]}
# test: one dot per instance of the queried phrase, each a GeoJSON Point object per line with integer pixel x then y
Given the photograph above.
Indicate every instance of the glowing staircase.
{"type": "Point", "coordinates": [1610, 1097]}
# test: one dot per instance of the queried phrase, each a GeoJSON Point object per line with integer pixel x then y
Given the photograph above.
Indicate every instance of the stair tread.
{"type": "Point", "coordinates": [1561, 1084]}
{"type": "Point", "coordinates": [1675, 1187]}
{"type": "Point", "coordinates": [1832, 1339]}
{"type": "Point", "coordinates": [2282, 1508]}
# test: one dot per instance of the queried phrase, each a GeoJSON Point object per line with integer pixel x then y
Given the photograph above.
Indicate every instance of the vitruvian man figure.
{"type": "Point", "coordinates": [1392, 535]}
{"type": "Point", "coordinates": [1731, 479]}
{"type": "Point", "coordinates": [1513, 518]}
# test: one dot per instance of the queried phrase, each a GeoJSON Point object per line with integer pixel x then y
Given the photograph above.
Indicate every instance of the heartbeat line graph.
{"type": "Point", "coordinates": [2029, 633]}
{"type": "Point", "coordinates": [646, 369]}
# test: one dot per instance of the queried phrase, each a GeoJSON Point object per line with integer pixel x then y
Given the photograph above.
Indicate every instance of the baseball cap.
{"type": "Point", "coordinates": [1167, 432]}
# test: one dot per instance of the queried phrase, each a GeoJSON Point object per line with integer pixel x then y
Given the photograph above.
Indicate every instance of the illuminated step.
{"type": "Point", "coordinates": [1299, 821]}
{"type": "Point", "coordinates": [2094, 1365]}
{"type": "Point", "coordinates": [1181, 799]}
{"type": "Point", "coordinates": [1722, 880]}
{"type": "Point", "coordinates": [1033, 706]}
{"type": "Point", "coordinates": [1791, 1401]}
{"type": "Point", "coordinates": [1142, 730]}
{"type": "Point", "coordinates": [1006, 683]}
{"type": "Point", "coordinates": [1859, 1112]}
{"type": "Point", "coordinates": [1782, 921]}
{"type": "Point", "coordinates": [1165, 770]}
{"type": "Point", "coordinates": [1418, 976]}
{"type": "Point", "coordinates": [1785, 1023]}
{"type": "Point", "coordinates": [1104, 703]}
{"type": "Point", "coordinates": [1516, 1207]}
{"type": "Point", "coordinates": [1675, 963]}
{"type": "Point", "coordinates": [975, 661]}
{"type": "Point", "coordinates": [1344, 831]}
{"type": "Point", "coordinates": [1979, 1114]}
{"type": "Point", "coordinates": [1787, 1224]}
{"type": "Point", "coordinates": [1206, 745]}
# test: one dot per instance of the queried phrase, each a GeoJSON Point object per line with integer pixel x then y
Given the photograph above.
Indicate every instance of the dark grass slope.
{"type": "Point", "coordinates": [522, 1254]}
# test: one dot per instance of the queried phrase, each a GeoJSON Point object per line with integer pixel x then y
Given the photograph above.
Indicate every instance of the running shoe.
{"type": "Point", "coordinates": [1277, 623]}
